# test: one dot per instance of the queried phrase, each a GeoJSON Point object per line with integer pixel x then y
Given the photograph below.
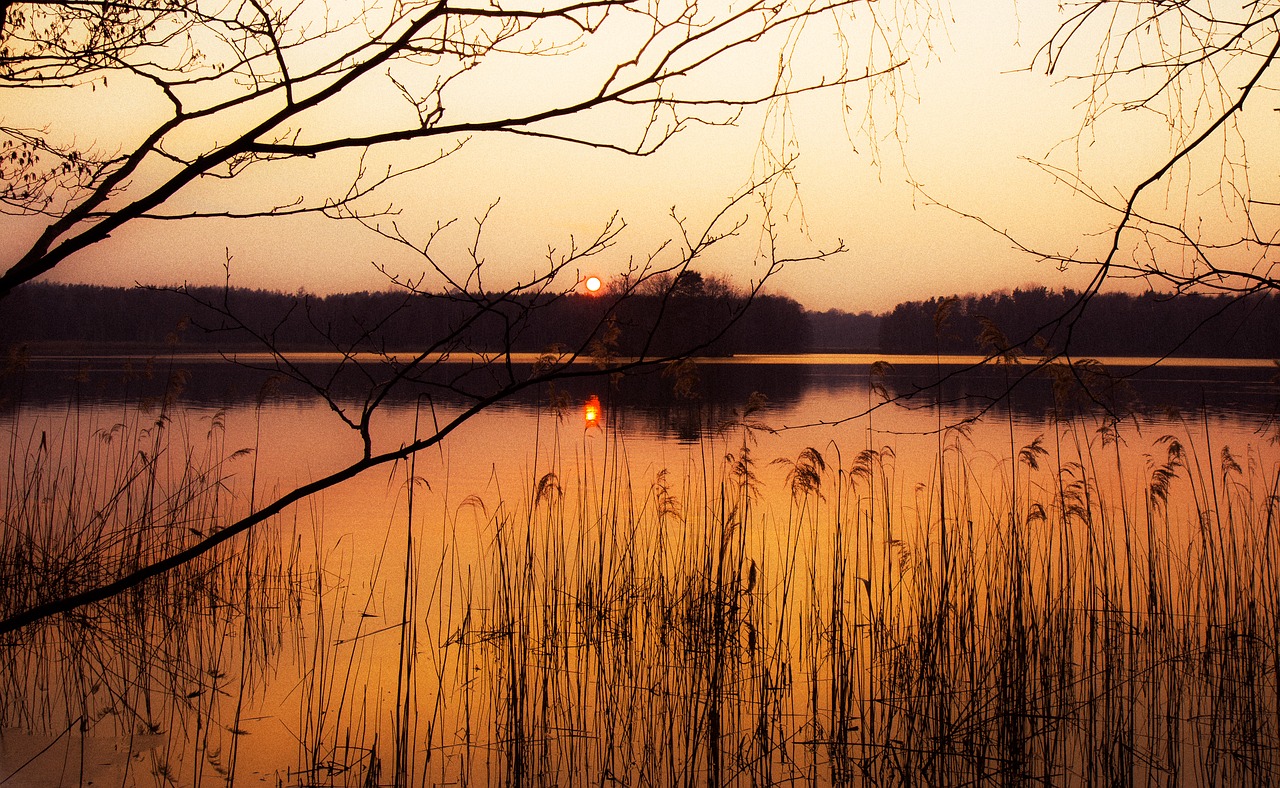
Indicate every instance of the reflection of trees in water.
{"type": "Point", "coordinates": [1090, 387]}
{"type": "Point", "coordinates": [658, 403]}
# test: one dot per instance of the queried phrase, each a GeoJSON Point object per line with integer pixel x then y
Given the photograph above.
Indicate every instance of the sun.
{"type": "Point", "coordinates": [593, 283]}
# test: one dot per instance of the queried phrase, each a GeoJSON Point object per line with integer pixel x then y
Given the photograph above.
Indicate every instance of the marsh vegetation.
{"type": "Point", "coordinates": [1073, 601]}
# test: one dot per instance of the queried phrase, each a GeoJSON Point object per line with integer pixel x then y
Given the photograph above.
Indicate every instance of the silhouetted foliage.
{"type": "Point", "coordinates": [1115, 324]}
{"type": "Point", "coordinates": [835, 330]}
{"type": "Point", "coordinates": [69, 317]}
{"type": "Point", "coordinates": [88, 316]}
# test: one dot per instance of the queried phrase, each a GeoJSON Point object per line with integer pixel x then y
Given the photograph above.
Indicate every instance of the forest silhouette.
{"type": "Point", "coordinates": [85, 318]}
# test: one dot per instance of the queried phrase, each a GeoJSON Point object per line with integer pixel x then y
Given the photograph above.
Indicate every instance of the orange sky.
{"type": "Point", "coordinates": [966, 118]}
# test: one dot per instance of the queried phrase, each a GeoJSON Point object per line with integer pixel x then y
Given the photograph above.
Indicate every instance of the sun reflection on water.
{"type": "Point", "coordinates": [591, 412]}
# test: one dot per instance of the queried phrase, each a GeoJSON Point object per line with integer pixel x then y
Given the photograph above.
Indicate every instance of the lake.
{"type": "Point", "coordinates": [775, 576]}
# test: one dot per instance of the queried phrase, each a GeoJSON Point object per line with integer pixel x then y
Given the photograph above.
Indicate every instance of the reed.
{"type": "Point", "coordinates": [692, 629]}
{"type": "Point", "coordinates": [1070, 612]}
{"type": "Point", "coordinates": [161, 675]}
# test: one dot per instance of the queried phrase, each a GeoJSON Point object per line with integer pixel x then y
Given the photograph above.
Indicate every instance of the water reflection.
{"type": "Point", "coordinates": [156, 680]}
{"type": "Point", "coordinates": [591, 412]}
{"type": "Point", "coordinates": [809, 389]}
{"type": "Point", "coordinates": [678, 602]}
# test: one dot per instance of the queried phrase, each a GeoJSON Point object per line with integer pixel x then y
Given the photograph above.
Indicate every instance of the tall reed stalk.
{"type": "Point", "coordinates": [1088, 619]}
{"type": "Point", "coordinates": [1062, 611]}
{"type": "Point", "coordinates": [165, 671]}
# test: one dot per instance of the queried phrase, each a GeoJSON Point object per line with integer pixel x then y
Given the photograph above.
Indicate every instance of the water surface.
{"type": "Point", "coordinates": [537, 510]}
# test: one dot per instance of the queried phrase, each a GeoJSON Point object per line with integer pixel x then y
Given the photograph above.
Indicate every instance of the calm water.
{"type": "Point", "coordinates": [558, 480]}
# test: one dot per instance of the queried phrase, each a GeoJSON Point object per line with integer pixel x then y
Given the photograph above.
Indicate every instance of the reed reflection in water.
{"type": "Point", "coordinates": [1068, 602]}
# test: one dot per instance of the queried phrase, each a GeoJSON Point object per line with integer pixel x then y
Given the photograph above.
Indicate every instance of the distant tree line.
{"type": "Point", "coordinates": [1113, 324]}
{"type": "Point", "coordinates": [658, 319]}
{"type": "Point", "coordinates": [72, 316]}
{"type": "Point", "coordinates": [835, 331]}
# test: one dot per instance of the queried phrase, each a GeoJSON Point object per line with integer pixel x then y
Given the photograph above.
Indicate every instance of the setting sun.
{"type": "Point", "coordinates": [778, 558]}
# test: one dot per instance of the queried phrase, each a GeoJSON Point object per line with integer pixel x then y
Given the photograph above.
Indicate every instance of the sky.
{"type": "Point", "coordinates": [971, 112]}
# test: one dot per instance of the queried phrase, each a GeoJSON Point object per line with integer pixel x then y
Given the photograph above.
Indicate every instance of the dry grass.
{"type": "Point", "coordinates": [1049, 624]}
{"type": "Point", "coordinates": [168, 670]}
{"type": "Point", "coordinates": [818, 621]}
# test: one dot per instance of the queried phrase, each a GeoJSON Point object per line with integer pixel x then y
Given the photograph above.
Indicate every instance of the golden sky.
{"type": "Point", "coordinates": [961, 123]}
